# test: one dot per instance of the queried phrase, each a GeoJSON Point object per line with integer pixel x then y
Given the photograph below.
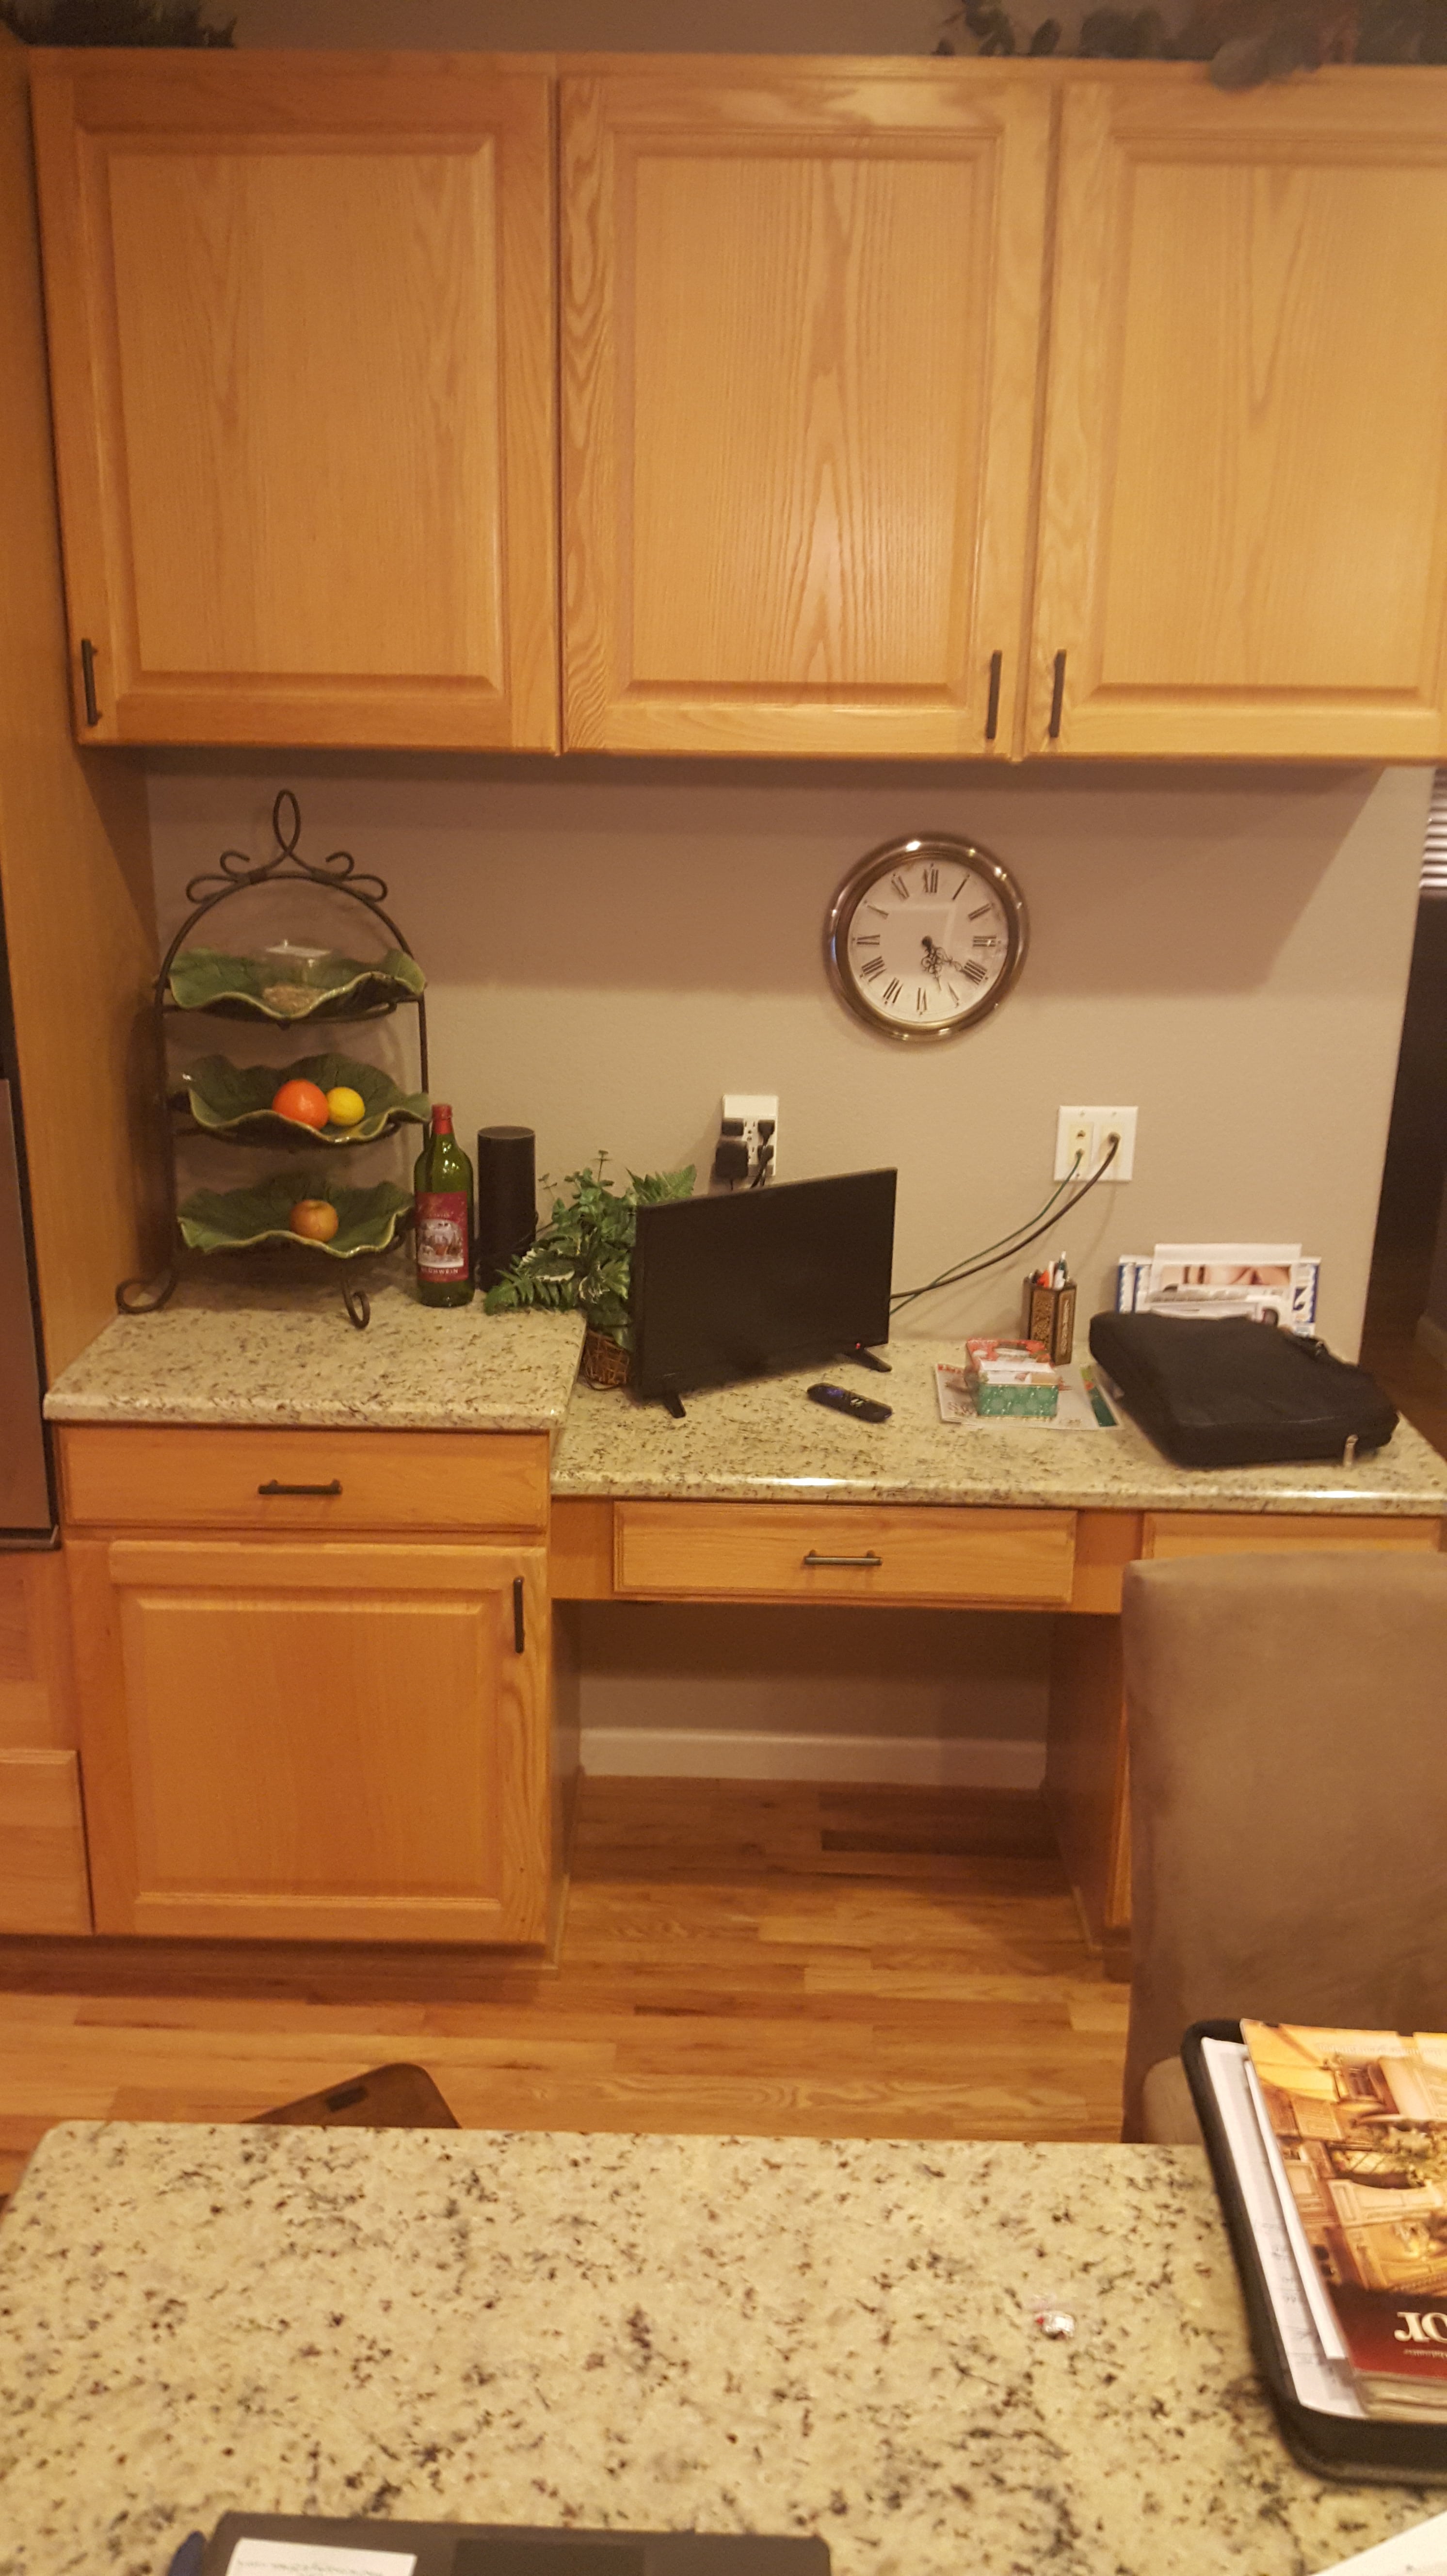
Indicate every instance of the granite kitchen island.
{"type": "Point", "coordinates": [725, 2334]}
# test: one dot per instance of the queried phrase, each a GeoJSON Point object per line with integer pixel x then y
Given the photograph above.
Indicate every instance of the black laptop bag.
{"type": "Point", "coordinates": [1227, 1392]}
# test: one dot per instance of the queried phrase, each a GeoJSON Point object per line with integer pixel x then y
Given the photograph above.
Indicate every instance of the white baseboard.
{"type": "Point", "coordinates": [722, 1753]}
{"type": "Point", "coordinates": [1433, 1339]}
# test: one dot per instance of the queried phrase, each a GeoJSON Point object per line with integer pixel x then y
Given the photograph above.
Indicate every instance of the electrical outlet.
{"type": "Point", "coordinates": [750, 1118]}
{"type": "Point", "coordinates": [1082, 1141]}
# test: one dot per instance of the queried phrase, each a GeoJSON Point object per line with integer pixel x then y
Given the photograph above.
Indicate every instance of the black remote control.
{"type": "Point", "coordinates": [842, 1399]}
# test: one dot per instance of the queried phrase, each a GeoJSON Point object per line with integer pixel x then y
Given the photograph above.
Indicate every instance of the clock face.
{"type": "Point", "coordinates": [925, 937]}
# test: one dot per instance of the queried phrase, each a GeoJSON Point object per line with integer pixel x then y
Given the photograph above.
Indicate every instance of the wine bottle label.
{"type": "Point", "coordinates": [441, 1236]}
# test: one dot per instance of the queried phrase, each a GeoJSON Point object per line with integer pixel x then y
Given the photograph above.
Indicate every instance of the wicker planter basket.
{"type": "Point", "coordinates": [605, 1362]}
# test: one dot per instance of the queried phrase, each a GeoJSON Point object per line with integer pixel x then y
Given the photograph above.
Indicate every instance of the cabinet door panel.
{"type": "Point", "coordinates": [1243, 539]}
{"type": "Point", "coordinates": [800, 320]}
{"type": "Point", "coordinates": [329, 1743]}
{"type": "Point", "coordinates": [302, 350]}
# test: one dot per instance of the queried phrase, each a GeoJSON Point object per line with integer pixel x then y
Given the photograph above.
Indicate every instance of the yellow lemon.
{"type": "Point", "coordinates": [345, 1106]}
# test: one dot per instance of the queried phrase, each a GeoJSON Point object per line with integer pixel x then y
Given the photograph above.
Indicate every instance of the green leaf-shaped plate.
{"type": "Point", "coordinates": [235, 1100]}
{"type": "Point", "coordinates": [232, 1220]}
{"type": "Point", "coordinates": [205, 979]}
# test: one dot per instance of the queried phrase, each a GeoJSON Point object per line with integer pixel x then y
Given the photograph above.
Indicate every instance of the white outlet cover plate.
{"type": "Point", "coordinates": [749, 1107]}
{"type": "Point", "coordinates": [1100, 1125]}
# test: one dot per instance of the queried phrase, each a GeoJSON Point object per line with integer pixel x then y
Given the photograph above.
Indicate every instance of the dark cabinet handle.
{"type": "Point", "coordinates": [868, 1558]}
{"type": "Point", "coordinates": [272, 1487]}
{"type": "Point", "coordinates": [519, 1627]}
{"type": "Point", "coordinates": [87, 680]}
{"type": "Point", "coordinates": [1057, 697]}
{"type": "Point", "coordinates": [992, 713]}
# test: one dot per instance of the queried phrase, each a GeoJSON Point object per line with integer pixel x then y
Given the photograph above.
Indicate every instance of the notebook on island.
{"type": "Point", "coordinates": [1329, 2149]}
{"type": "Point", "coordinates": [264, 2544]}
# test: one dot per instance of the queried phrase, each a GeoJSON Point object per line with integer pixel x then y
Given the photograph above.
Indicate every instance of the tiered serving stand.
{"type": "Point", "coordinates": [216, 1105]}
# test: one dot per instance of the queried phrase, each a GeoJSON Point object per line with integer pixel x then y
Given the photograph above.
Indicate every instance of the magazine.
{"type": "Point", "coordinates": [1270, 1282]}
{"type": "Point", "coordinates": [1356, 2127]}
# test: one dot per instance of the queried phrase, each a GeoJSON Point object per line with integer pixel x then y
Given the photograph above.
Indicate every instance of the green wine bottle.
{"type": "Point", "coordinates": [443, 1185]}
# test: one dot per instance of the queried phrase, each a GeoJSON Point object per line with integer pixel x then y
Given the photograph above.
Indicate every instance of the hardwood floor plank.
{"type": "Point", "coordinates": [757, 1958]}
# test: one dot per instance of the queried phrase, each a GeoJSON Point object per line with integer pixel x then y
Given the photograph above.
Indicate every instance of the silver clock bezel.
{"type": "Point", "coordinates": [846, 903]}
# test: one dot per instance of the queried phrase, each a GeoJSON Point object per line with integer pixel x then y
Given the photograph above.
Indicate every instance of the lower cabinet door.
{"type": "Point", "coordinates": [328, 1742]}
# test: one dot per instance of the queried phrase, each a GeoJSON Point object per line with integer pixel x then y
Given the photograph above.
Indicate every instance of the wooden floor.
{"type": "Point", "coordinates": [769, 1959]}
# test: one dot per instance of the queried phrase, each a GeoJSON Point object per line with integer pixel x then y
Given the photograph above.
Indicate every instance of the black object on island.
{"type": "Point", "coordinates": [481, 2549]}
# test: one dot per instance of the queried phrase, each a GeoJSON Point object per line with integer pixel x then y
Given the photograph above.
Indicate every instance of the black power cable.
{"type": "Point", "coordinates": [991, 1258]}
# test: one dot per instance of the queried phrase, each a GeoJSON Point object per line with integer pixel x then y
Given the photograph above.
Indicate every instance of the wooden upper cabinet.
{"type": "Point", "coordinates": [801, 308]}
{"type": "Point", "coordinates": [1243, 538]}
{"type": "Point", "coordinates": [302, 346]}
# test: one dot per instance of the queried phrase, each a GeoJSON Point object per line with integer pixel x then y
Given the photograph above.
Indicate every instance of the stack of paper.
{"type": "Point", "coordinates": [1270, 1282]}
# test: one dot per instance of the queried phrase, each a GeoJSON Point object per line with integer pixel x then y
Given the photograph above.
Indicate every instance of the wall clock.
{"type": "Point", "coordinates": [925, 937]}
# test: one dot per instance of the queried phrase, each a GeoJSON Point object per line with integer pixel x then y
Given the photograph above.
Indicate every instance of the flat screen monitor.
{"type": "Point", "coordinates": [779, 1278]}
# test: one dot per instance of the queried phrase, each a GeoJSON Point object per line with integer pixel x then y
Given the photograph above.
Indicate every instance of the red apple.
{"type": "Point", "coordinates": [316, 1219]}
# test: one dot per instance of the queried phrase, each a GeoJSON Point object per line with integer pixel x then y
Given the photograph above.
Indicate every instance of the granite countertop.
{"type": "Point", "coordinates": [764, 1442]}
{"type": "Point", "coordinates": [670, 2332]}
{"type": "Point", "coordinates": [289, 1355]}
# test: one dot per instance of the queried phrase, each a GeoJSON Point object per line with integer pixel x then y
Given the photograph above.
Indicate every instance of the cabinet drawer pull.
{"type": "Point", "coordinates": [272, 1487]}
{"type": "Point", "coordinates": [87, 680]}
{"type": "Point", "coordinates": [992, 713]}
{"type": "Point", "coordinates": [519, 1627]}
{"type": "Point", "coordinates": [1057, 697]}
{"type": "Point", "coordinates": [868, 1558]}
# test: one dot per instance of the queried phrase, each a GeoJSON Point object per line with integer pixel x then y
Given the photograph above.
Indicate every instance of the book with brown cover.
{"type": "Point", "coordinates": [1360, 2122]}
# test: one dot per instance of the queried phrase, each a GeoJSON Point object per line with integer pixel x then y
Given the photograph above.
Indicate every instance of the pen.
{"type": "Point", "coordinates": [1058, 1274]}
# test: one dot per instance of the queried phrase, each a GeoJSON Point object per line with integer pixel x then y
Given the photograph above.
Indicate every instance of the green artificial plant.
{"type": "Point", "coordinates": [1243, 41]}
{"type": "Point", "coordinates": [112, 22]}
{"type": "Point", "coordinates": [583, 1255]}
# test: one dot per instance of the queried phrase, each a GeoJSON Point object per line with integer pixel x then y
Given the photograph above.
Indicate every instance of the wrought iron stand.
{"type": "Point", "coordinates": [234, 875]}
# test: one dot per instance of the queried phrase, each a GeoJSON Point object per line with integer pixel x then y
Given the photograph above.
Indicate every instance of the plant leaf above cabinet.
{"type": "Point", "coordinates": [907, 408]}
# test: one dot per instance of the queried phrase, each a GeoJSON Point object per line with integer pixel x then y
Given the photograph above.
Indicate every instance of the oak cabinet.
{"type": "Point", "coordinates": [906, 408]}
{"type": "Point", "coordinates": [1243, 517]}
{"type": "Point", "coordinates": [301, 334]}
{"type": "Point", "coordinates": [44, 1886]}
{"type": "Point", "coordinates": [314, 1740]}
{"type": "Point", "coordinates": [801, 311]}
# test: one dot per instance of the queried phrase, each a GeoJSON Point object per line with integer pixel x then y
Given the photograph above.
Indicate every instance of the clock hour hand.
{"type": "Point", "coordinates": [935, 959]}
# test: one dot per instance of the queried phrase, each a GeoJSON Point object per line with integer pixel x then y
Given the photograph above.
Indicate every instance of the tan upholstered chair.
{"type": "Point", "coordinates": [1288, 1802]}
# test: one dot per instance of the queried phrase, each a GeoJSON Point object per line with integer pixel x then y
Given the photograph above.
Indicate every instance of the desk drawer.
{"type": "Point", "coordinates": [842, 1552]}
{"type": "Point", "coordinates": [388, 1480]}
{"type": "Point", "coordinates": [1178, 1534]}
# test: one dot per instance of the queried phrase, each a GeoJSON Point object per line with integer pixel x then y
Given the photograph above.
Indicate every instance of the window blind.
{"type": "Point", "coordinates": [1434, 855]}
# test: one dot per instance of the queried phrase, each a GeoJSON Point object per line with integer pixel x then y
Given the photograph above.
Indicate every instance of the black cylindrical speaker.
{"type": "Point", "coordinates": [507, 1199]}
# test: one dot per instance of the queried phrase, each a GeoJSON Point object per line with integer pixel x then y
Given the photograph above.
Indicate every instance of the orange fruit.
{"type": "Point", "coordinates": [302, 1102]}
